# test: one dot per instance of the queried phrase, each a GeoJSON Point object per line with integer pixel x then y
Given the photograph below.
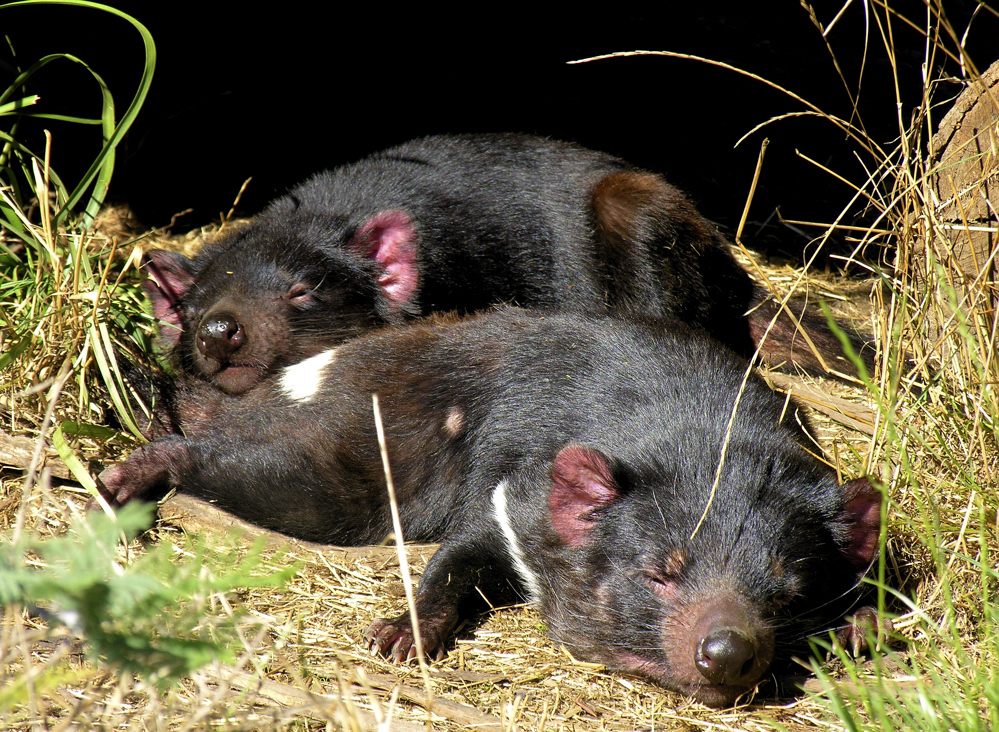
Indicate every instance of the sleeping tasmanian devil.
{"type": "Point", "coordinates": [567, 458]}
{"type": "Point", "coordinates": [459, 223]}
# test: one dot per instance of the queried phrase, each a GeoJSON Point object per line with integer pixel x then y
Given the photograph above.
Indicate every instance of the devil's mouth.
{"type": "Point", "coordinates": [237, 378]}
{"type": "Point", "coordinates": [716, 695]}
{"type": "Point", "coordinates": [711, 695]}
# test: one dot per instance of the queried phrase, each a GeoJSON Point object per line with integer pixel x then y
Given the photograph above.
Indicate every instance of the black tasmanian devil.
{"type": "Point", "coordinates": [567, 457]}
{"type": "Point", "coordinates": [459, 223]}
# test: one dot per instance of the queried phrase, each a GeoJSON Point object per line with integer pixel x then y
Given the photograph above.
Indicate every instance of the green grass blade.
{"type": "Point", "coordinates": [62, 118]}
{"type": "Point", "coordinates": [100, 340]}
{"type": "Point", "coordinates": [88, 430]}
{"type": "Point", "coordinates": [79, 472]}
{"type": "Point", "coordinates": [29, 72]}
{"type": "Point", "coordinates": [18, 104]}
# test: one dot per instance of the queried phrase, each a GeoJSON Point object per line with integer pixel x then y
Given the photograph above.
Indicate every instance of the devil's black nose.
{"type": "Point", "coordinates": [219, 336]}
{"type": "Point", "coordinates": [725, 656]}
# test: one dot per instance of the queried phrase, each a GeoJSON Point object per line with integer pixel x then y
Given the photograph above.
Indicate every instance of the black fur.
{"type": "Point", "coordinates": [460, 223]}
{"type": "Point", "coordinates": [606, 435]}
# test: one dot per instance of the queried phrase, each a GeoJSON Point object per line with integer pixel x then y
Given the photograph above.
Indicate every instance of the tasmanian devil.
{"type": "Point", "coordinates": [459, 223]}
{"type": "Point", "coordinates": [568, 458]}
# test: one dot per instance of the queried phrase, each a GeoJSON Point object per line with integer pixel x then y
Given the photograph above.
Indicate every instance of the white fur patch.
{"type": "Point", "coordinates": [302, 381]}
{"type": "Point", "coordinates": [512, 546]}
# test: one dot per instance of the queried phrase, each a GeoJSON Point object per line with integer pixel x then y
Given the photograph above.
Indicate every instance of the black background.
{"type": "Point", "coordinates": [282, 93]}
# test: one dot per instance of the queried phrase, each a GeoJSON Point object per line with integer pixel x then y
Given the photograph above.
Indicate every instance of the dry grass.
{"type": "Point", "coordinates": [928, 433]}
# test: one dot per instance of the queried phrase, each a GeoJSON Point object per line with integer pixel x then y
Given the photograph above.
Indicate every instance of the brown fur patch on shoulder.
{"type": "Point", "coordinates": [629, 203]}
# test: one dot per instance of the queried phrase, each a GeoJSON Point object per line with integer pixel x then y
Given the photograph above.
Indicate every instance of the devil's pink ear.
{"type": "Point", "coordinates": [169, 276]}
{"type": "Point", "coordinates": [389, 239]}
{"type": "Point", "coordinates": [862, 516]}
{"type": "Point", "coordinates": [581, 483]}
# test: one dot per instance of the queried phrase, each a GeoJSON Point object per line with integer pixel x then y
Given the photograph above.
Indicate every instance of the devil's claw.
{"type": "Point", "coordinates": [860, 627]}
{"type": "Point", "coordinates": [393, 638]}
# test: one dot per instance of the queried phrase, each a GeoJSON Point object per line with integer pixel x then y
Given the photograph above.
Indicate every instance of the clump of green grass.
{"type": "Point", "coordinates": [65, 302]}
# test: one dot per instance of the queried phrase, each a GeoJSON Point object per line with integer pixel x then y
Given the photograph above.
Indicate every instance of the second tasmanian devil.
{"type": "Point", "coordinates": [571, 459]}
{"type": "Point", "coordinates": [460, 223]}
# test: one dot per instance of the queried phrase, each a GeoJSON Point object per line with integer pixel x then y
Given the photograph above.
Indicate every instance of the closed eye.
{"type": "Point", "coordinates": [299, 295]}
{"type": "Point", "coordinates": [665, 587]}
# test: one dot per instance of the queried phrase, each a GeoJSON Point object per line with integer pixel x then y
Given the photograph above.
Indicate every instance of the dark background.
{"type": "Point", "coordinates": [239, 93]}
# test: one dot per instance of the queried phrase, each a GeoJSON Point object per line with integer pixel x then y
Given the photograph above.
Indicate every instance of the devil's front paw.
{"type": "Point", "coordinates": [860, 627]}
{"type": "Point", "coordinates": [150, 468]}
{"type": "Point", "coordinates": [115, 487]}
{"type": "Point", "coordinates": [394, 639]}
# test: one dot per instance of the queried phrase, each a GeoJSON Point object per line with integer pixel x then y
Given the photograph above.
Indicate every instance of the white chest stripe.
{"type": "Point", "coordinates": [302, 381]}
{"type": "Point", "coordinates": [503, 519]}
